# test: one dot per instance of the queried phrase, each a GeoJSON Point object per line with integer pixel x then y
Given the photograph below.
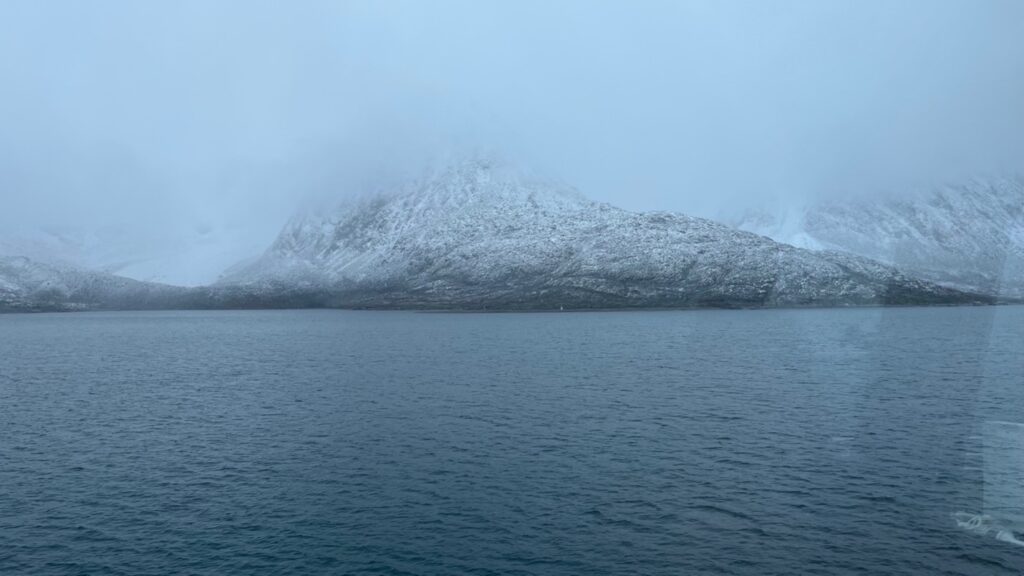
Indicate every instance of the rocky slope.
{"type": "Point", "coordinates": [478, 234]}
{"type": "Point", "coordinates": [968, 236]}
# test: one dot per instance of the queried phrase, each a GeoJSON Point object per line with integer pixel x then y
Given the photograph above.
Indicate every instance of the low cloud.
{"type": "Point", "coordinates": [231, 114]}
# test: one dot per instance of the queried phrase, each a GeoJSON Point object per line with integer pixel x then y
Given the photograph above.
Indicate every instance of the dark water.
{"type": "Point", "coordinates": [325, 442]}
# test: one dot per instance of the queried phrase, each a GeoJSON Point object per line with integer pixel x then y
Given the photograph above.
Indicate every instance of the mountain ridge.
{"type": "Point", "coordinates": [968, 236]}
{"type": "Point", "coordinates": [480, 235]}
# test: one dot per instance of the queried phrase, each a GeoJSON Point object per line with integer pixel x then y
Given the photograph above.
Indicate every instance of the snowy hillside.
{"type": "Point", "coordinates": [185, 257]}
{"type": "Point", "coordinates": [26, 284]}
{"type": "Point", "coordinates": [969, 236]}
{"type": "Point", "coordinates": [480, 234]}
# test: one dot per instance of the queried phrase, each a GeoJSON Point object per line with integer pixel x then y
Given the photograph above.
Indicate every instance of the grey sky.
{"type": "Point", "coordinates": [230, 113]}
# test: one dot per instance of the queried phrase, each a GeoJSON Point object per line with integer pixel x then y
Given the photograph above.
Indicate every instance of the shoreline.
{"type": "Point", "coordinates": [429, 310]}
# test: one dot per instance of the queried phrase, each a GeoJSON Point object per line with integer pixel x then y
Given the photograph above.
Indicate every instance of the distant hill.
{"type": "Point", "coordinates": [182, 255]}
{"type": "Point", "coordinates": [479, 234]}
{"type": "Point", "coordinates": [968, 236]}
{"type": "Point", "coordinates": [27, 285]}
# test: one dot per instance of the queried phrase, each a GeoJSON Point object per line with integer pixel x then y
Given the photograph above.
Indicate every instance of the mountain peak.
{"type": "Point", "coordinates": [481, 233]}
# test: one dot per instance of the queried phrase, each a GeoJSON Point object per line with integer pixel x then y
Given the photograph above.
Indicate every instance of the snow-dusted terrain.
{"type": "Point", "coordinates": [26, 284]}
{"type": "Point", "coordinates": [479, 234]}
{"type": "Point", "coordinates": [969, 236]}
{"type": "Point", "coordinates": [186, 256]}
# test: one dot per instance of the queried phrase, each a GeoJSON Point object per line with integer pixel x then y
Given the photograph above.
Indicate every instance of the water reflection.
{"type": "Point", "coordinates": [1003, 485]}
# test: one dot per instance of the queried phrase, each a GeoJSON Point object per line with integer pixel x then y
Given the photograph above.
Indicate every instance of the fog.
{"type": "Point", "coordinates": [159, 117]}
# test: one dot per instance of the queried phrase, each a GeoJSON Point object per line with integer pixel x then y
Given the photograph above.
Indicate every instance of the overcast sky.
{"type": "Point", "coordinates": [228, 114]}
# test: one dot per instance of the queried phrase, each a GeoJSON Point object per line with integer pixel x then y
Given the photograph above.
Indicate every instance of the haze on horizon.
{"type": "Point", "coordinates": [228, 115]}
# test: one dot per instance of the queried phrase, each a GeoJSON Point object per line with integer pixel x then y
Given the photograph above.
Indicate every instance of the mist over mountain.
{"type": "Point", "coordinates": [478, 231]}
{"type": "Point", "coordinates": [171, 142]}
{"type": "Point", "coordinates": [232, 114]}
{"type": "Point", "coordinates": [968, 235]}
{"type": "Point", "coordinates": [527, 287]}
{"type": "Point", "coordinates": [478, 234]}
{"type": "Point", "coordinates": [28, 285]}
{"type": "Point", "coordinates": [184, 256]}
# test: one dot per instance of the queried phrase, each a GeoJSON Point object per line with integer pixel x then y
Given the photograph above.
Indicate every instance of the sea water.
{"type": "Point", "coordinates": [843, 441]}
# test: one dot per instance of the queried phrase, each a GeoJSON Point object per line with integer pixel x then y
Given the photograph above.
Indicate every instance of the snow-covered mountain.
{"type": "Point", "coordinates": [26, 284]}
{"type": "Point", "coordinates": [969, 236]}
{"type": "Point", "coordinates": [479, 234]}
{"type": "Point", "coordinates": [185, 256]}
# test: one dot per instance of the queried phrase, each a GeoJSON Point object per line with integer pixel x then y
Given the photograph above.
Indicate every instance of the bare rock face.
{"type": "Point", "coordinates": [478, 234]}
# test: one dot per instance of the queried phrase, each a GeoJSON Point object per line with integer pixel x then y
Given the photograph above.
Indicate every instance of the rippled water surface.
{"type": "Point", "coordinates": [330, 442]}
